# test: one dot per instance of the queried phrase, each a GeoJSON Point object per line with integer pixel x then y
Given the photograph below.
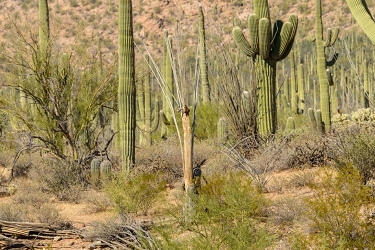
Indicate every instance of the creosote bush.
{"type": "Point", "coordinates": [227, 215]}
{"type": "Point", "coordinates": [339, 211]}
{"type": "Point", "coordinates": [134, 193]}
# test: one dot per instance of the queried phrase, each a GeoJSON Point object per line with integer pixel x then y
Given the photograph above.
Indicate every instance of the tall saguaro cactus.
{"type": "Point", "coordinates": [203, 58]}
{"type": "Point", "coordinates": [266, 46]}
{"type": "Point", "coordinates": [43, 27]}
{"type": "Point", "coordinates": [126, 88]}
{"type": "Point", "coordinates": [321, 45]}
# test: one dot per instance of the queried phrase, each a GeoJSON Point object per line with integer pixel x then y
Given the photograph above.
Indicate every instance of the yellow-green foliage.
{"type": "Point", "coordinates": [227, 215]}
{"type": "Point", "coordinates": [133, 193]}
{"type": "Point", "coordinates": [339, 210]}
{"type": "Point", "coordinates": [206, 123]}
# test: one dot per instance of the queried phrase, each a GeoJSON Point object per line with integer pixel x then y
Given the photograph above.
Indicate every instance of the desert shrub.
{"type": "Point", "coordinates": [285, 211]}
{"type": "Point", "coordinates": [302, 178]}
{"type": "Point", "coordinates": [339, 209]}
{"type": "Point", "coordinates": [97, 202]}
{"type": "Point", "coordinates": [123, 232]}
{"type": "Point", "coordinates": [306, 150]}
{"type": "Point", "coordinates": [163, 158]}
{"type": "Point", "coordinates": [134, 193]}
{"type": "Point", "coordinates": [358, 149]}
{"type": "Point", "coordinates": [12, 212]}
{"type": "Point", "coordinates": [61, 179]}
{"type": "Point", "coordinates": [227, 215]}
{"type": "Point", "coordinates": [48, 214]}
{"type": "Point", "coordinates": [29, 193]}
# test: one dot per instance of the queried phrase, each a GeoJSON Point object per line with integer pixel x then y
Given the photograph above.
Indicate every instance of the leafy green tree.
{"type": "Point", "coordinates": [54, 97]}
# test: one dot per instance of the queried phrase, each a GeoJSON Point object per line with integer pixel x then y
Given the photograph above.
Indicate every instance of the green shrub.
{"type": "Point", "coordinates": [357, 149]}
{"type": "Point", "coordinates": [206, 122]}
{"type": "Point", "coordinates": [134, 193]}
{"type": "Point", "coordinates": [338, 211]}
{"type": "Point", "coordinates": [228, 213]}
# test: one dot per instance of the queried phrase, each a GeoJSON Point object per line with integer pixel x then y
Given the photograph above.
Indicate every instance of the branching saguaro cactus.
{"type": "Point", "coordinates": [322, 64]}
{"type": "Point", "coordinates": [203, 58]}
{"type": "Point", "coordinates": [266, 46]}
{"type": "Point", "coordinates": [126, 88]}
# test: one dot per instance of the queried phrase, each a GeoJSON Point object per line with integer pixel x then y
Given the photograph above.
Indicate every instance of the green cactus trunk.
{"type": "Point", "coordinates": [301, 89]}
{"type": "Point", "coordinates": [43, 28]}
{"type": "Point", "coordinates": [293, 85]}
{"type": "Point", "coordinates": [126, 90]}
{"type": "Point", "coordinates": [222, 130]}
{"type": "Point", "coordinates": [266, 96]}
{"type": "Point", "coordinates": [203, 59]}
{"type": "Point", "coordinates": [362, 14]}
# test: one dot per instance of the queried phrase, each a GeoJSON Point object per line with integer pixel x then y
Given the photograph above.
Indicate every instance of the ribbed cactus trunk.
{"type": "Point", "coordinates": [293, 85]}
{"type": "Point", "coordinates": [203, 59]}
{"type": "Point", "coordinates": [266, 95]}
{"type": "Point", "coordinates": [321, 65]}
{"type": "Point", "coordinates": [43, 28]}
{"type": "Point", "coordinates": [363, 16]}
{"type": "Point", "coordinates": [126, 89]}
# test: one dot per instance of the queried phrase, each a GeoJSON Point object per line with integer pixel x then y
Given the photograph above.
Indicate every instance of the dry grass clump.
{"type": "Point", "coordinates": [97, 202]}
{"type": "Point", "coordinates": [284, 211]}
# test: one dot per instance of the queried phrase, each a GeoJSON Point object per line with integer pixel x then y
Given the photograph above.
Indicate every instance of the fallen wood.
{"type": "Point", "coordinates": [34, 230]}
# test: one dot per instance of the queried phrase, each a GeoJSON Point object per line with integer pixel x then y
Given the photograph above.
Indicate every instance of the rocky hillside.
{"type": "Point", "coordinates": [89, 19]}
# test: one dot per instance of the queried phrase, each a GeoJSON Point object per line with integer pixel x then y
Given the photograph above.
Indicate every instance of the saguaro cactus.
{"type": "Point", "coordinates": [321, 45]}
{"type": "Point", "coordinates": [362, 14]}
{"type": "Point", "coordinates": [203, 58]}
{"type": "Point", "coordinates": [43, 27]}
{"type": "Point", "coordinates": [266, 46]}
{"type": "Point", "coordinates": [126, 90]}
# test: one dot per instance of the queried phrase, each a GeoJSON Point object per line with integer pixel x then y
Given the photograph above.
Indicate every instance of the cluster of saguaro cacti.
{"type": "Point", "coordinates": [266, 46]}
{"type": "Point", "coordinates": [203, 59]}
{"type": "Point", "coordinates": [126, 87]}
{"type": "Point", "coordinates": [322, 63]}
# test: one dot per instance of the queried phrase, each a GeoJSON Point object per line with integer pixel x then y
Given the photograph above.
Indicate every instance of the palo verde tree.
{"type": "Point", "coordinates": [60, 87]}
{"type": "Point", "coordinates": [266, 46]}
{"type": "Point", "coordinates": [126, 86]}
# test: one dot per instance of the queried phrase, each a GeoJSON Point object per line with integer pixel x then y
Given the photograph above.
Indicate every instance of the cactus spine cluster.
{"type": "Point", "coordinates": [321, 45]}
{"type": "Point", "coordinates": [203, 58]}
{"type": "Point", "coordinates": [126, 88]}
{"type": "Point", "coordinates": [266, 46]}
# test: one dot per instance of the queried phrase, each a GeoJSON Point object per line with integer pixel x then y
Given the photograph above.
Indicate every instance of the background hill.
{"type": "Point", "coordinates": [90, 19]}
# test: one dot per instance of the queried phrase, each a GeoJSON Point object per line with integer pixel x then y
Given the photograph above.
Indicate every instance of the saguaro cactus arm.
{"type": "Point", "coordinates": [362, 15]}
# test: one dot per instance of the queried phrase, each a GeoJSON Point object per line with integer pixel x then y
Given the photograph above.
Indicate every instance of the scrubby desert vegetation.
{"type": "Point", "coordinates": [219, 133]}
